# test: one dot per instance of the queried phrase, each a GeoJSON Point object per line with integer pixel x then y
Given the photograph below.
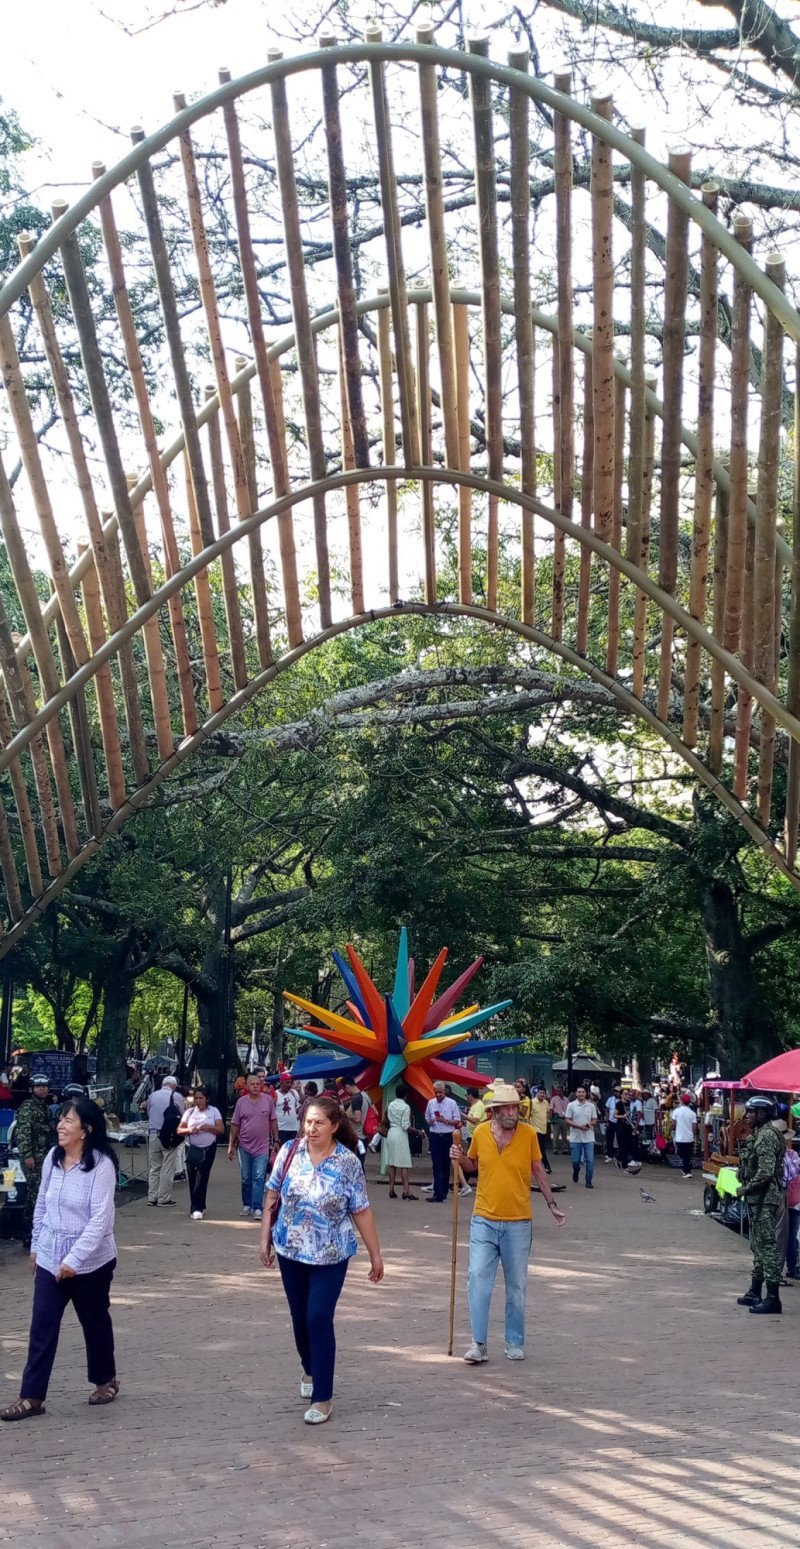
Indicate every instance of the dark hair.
{"type": "Point", "coordinates": [343, 1130]}
{"type": "Point", "coordinates": [311, 1089]}
{"type": "Point", "coordinates": [95, 1134]}
{"type": "Point", "coordinates": [201, 1091]}
{"type": "Point", "coordinates": [401, 1090]}
{"type": "Point", "coordinates": [472, 1091]}
{"type": "Point", "coordinates": [525, 1084]}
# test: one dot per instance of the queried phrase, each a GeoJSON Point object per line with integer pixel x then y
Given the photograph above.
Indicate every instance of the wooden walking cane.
{"type": "Point", "coordinates": [456, 1142]}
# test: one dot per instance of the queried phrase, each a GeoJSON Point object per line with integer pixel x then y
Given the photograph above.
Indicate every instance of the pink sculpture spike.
{"type": "Point", "coordinates": [442, 1007]}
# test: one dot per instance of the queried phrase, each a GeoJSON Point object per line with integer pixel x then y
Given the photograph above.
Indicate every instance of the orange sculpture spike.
{"type": "Point", "coordinates": [420, 1082]}
{"type": "Point", "coordinates": [372, 998]}
{"type": "Point", "coordinates": [414, 1021]}
{"type": "Point", "coordinates": [342, 1026]}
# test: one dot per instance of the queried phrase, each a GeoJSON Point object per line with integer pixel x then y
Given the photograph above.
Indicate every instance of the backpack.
{"type": "Point", "coordinates": [168, 1133]}
{"type": "Point", "coordinates": [370, 1125]}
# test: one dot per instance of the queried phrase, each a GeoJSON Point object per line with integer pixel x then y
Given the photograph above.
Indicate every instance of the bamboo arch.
{"type": "Point", "coordinates": [602, 461]}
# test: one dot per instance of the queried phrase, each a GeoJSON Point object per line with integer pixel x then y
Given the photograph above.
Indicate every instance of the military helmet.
{"type": "Point", "coordinates": [763, 1105]}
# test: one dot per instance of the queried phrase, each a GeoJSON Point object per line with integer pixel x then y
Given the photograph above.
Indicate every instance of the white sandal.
{"type": "Point", "coordinates": [316, 1416]}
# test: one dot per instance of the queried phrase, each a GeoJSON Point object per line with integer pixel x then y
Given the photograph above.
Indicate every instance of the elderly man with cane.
{"type": "Point", "coordinates": [506, 1154]}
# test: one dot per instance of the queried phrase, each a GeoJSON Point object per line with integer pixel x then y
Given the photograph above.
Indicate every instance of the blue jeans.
{"type": "Point", "coordinates": [254, 1178]}
{"type": "Point", "coordinates": [492, 1243]}
{"type": "Point", "coordinates": [583, 1153]}
{"type": "Point", "coordinates": [312, 1291]}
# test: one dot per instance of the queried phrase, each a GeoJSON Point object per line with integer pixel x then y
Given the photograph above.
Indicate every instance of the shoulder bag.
{"type": "Point", "coordinates": [275, 1207]}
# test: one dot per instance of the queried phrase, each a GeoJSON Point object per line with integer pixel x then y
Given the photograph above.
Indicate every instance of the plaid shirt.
{"type": "Point", "coordinates": [74, 1218]}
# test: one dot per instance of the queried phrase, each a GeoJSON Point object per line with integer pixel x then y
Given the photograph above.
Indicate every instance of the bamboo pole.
{"type": "Point", "coordinates": [22, 803]}
{"type": "Point", "coordinates": [717, 723]}
{"type": "Point", "coordinates": [205, 614]}
{"type": "Point", "coordinates": [793, 685]}
{"type": "Point", "coordinates": [740, 384]}
{"type": "Point", "coordinates": [258, 579]}
{"type": "Point", "coordinates": [424, 418]}
{"type": "Point", "coordinates": [337, 189]}
{"type": "Point", "coordinates": [8, 866]}
{"type": "Point", "coordinates": [90, 591]}
{"type": "Point", "coordinates": [406, 390]}
{"type": "Point", "coordinates": [152, 642]}
{"type": "Point", "coordinates": [24, 704]}
{"type": "Point", "coordinates": [640, 607]}
{"type": "Point", "coordinates": [764, 600]}
{"type": "Point", "coordinates": [704, 468]}
{"type": "Point", "coordinates": [461, 339]}
{"type": "Point", "coordinates": [638, 331]}
{"type": "Point", "coordinates": [440, 275]}
{"type": "Point", "coordinates": [172, 562]}
{"type": "Point", "coordinates": [486, 197]}
{"type": "Point", "coordinates": [352, 497]}
{"type": "Point", "coordinates": [558, 537]}
{"type": "Point", "coordinates": [20, 694]}
{"type": "Point", "coordinates": [744, 700]}
{"type": "Point", "coordinates": [276, 439]}
{"type": "Point", "coordinates": [304, 337]}
{"type": "Point", "coordinates": [523, 323]}
{"type": "Point", "coordinates": [612, 651]}
{"type": "Point", "coordinates": [566, 384]}
{"type": "Point", "coordinates": [81, 737]}
{"type": "Point", "coordinates": [104, 689]}
{"type": "Point", "coordinates": [675, 285]}
{"type": "Point", "coordinates": [587, 505]}
{"type": "Point", "coordinates": [230, 590]}
{"type": "Point", "coordinates": [602, 196]}
{"type": "Point", "coordinates": [389, 446]}
{"type": "Point", "coordinates": [17, 400]}
{"type": "Point", "coordinates": [286, 531]}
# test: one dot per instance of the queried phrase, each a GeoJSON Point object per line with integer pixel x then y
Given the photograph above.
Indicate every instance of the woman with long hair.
{"type": "Point", "coordinates": [318, 1187]}
{"type": "Point", "coordinates": [73, 1255]}
{"type": "Point", "coordinates": [201, 1125]}
{"type": "Point", "coordinates": [396, 1149]}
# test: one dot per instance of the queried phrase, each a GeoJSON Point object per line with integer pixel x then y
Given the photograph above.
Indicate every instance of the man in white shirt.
{"type": "Point", "coordinates": [649, 1110]}
{"type": "Point", "coordinates": [442, 1116]}
{"type": "Point", "coordinates": [582, 1118]}
{"type": "Point", "coordinates": [162, 1159]}
{"type": "Point", "coordinates": [288, 1105]}
{"type": "Point", "coordinates": [685, 1121]}
{"type": "Point", "coordinates": [611, 1123]}
{"type": "Point", "coordinates": [558, 1123]}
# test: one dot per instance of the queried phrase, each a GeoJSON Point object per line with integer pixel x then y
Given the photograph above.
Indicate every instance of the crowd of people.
{"type": "Point", "coordinates": [301, 1155]}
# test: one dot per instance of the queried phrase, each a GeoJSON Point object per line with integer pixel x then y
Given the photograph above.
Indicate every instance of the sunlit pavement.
{"type": "Point", "coordinates": [651, 1410]}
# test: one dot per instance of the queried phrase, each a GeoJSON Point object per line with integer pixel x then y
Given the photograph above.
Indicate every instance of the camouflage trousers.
{"type": "Point", "coordinates": [33, 1180]}
{"type": "Point", "coordinates": [764, 1242]}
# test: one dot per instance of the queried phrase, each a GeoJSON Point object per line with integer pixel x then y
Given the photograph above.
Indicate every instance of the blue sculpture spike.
{"type": "Point", "coordinates": [401, 997]}
{"type": "Point", "coordinates": [393, 1065]}
{"type": "Point", "coordinates": [395, 1037]}
{"type": "Point", "coordinates": [351, 985]}
{"type": "Point", "coordinates": [465, 1023]}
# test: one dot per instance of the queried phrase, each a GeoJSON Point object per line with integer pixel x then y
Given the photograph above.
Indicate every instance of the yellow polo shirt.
{"type": "Point", "coordinates": [539, 1112]}
{"type": "Point", "coordinates": [504, 1177]}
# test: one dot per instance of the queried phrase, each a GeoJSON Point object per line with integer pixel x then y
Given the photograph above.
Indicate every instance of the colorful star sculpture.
{"type": "Point", "coordinates": [406, 1033]}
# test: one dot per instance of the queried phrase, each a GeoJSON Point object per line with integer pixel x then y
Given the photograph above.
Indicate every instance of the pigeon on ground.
{"type": "Point", "coordinates": [649, 1199]}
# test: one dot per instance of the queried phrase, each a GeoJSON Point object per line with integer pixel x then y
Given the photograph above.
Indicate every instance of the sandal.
{"type": "Point", "coordinates": [316, 1416]}
{"type": "Point", "coordinates": [106, 1392]}
{"type": "Point", "coordinates": [392, 1194]}
{"type": "Point", "coordinates": [24, 1409]}
{"type": "Point", "coordinates": [410, 1196]}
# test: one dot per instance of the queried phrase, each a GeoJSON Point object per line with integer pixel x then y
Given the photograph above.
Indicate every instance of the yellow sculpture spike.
{"type": "Point", "coordinates": [457, 1015]}
{"type": "Point", "coordinates": [366, 1040]}
{"type": "Point", "coordinates": [427, 1048]}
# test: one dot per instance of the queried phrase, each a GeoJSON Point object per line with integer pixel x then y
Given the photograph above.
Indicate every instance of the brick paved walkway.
{"type": "Point", "coordinates": [651, 1411]}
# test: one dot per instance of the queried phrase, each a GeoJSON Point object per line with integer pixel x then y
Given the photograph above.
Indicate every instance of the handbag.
{"type": "Point", "coordinates": [384, 1126]}
{"type": "Point", "coordinates": [196, 1155]}
{"type": "Point", "coordinates": [275, 1207]}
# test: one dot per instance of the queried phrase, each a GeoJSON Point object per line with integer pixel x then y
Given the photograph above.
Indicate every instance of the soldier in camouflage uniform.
{"type": "Point", "coordinates": [35, 1135]}
{"type": "Point", "coordinates": [761, 1175]}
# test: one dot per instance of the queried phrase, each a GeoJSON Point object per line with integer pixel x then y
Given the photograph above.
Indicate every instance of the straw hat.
{"type": "Point", "coordinates": [503, 1093]}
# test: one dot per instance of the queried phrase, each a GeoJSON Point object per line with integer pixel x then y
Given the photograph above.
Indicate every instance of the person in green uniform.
{"type": "Point", "coordinates": [35, 1135]}
{"type": "Point", "coordinates": [761, 1181]}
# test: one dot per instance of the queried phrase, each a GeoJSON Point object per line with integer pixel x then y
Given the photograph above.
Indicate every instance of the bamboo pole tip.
{"type": "Point", "coordinates": [179, 101]}
{"type": "Point", "coordinates": [651, 380]}
{"type": "Point", "coordinates": [710, 193]}
{"type": "Point", "coordinates": [743, 229]}
{"type": "Point", "coordinates": [638, 133]}
{"type": "Point", "coordinates": [602, 104]}
{"type": "Point", "coordinates": [131, 479]}
{"type": "Point", "coordinates": [679, 161]}
{"type": "Point", "coordinates": [223, 75]}
{"type": "Point", "coordinates": [273, 55]}
{"type": "Point", "coordinates": [478, 44]}
{"type": "Point", "coordinates": [775, 265]}
{"type": "Point", "coordinates": [426, 30]}
{"type": "Point", "coordinates": [327, 38]}
{"type": "Point", "coordinates": [98, 169]}
{"type": "Point", "coordinates": [240, 362]}
{"type": "Point", "coordinates": [208, 391]}
{"type": "Point", "coordinates": [59, 207]}
{"type": "Point", "coordinates": [373, 33]}
{"type": "Point", "coordinates": [562, 80]}
{"type": "Point", "coordinates": [25, 242]}
{"type": "Point", "coordinates": [519, 58]}
{"type": "Point", "coordinates": [137, 134]}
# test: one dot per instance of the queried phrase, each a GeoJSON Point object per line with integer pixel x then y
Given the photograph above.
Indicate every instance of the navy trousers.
{"type": "Point", "coordinates": [312, 1291]}
{"type": "Point", "coordinates": [90, 1296]}
{"type": "Point", "coordinates": [440, 1161]}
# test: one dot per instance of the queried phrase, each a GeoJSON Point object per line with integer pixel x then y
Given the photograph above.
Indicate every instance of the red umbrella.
{"type": "Point", "coordinates": [779, 1075]}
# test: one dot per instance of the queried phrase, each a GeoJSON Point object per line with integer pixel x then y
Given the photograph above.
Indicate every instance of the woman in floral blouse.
{"type": "Point", "coordinates": [320, 1183]}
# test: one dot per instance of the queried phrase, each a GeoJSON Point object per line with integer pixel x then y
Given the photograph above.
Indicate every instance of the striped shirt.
{"type": "Point", "coordinates": [73, 1222]}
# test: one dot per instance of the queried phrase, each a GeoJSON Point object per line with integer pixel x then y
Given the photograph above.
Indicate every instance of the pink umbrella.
{"type": "Point", "coordinates": [782, 1074]}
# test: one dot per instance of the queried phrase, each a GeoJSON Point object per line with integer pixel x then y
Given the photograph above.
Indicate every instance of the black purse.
{"type": "Point", "coordinates": [195, 1155]}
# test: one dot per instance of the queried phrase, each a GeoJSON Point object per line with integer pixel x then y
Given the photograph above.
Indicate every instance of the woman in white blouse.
{"type": "Point", "coordinates": [73, 1255]}
{"type": "Point", "coordinates": [201, 1126]}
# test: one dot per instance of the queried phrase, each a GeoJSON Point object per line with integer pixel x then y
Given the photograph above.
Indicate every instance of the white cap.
{"type": "Point", "coordinates": [169, 1081]}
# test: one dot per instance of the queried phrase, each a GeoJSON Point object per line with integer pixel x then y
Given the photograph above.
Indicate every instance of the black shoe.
{"type": "Point", "coordinates": [771, 1302]}
{"type": "Point", "coordinates": [576, 1173]}
{"type": "Point", "coordinates": [590, 1185]}
{"type": "Point", "coordinates": [752, 1296]}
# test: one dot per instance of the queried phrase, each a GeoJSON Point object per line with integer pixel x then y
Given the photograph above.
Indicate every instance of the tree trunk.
{"type": "Point", "coordinates": [211, 1005]}
{"type": "Point", "coordinates": [745, 1032]}
{"type": "Point", "coordinates": [277, 1037]}
{"type": "Point", "coordinates": [112, 1041]}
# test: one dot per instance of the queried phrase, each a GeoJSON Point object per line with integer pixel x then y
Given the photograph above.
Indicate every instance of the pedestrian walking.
{"type": "Point", "coordinates": [164, 1109]}
{"type": "Point", "coordinates": [73, 1255]}
{"type": "Point", "coordinates": [761, 1174]}
{"type": "Point", "coordinates": [396, 1149]}
{"type": "Point", "coordinates": [525, 1099]}
{"type": "Point", "coordinates": [288, 1104]}
{"type": "Point", "coordinates": [685, 1131]}
{"type": "Point", "coordinates": [505, 1153]}
{"type": "Point", "coordinates": [319, 1190]}
{"type": "Point", "coordinates": [442, 1116]}
{"type": "Point", "coordinates": [612, 1101]}
{"type": "Point", "coordinates": [254, 1130]}
{"type": "Point", "coordinates": [35, 1135]}
{"type": "Point", "coordinates": [477, 1111]}
{"type": "Point", "coordinates": [201, 1126]}
{"type": "Point", "coordinates": [539, 1113]}
{"type": "Point", "coordinates": [558, 1122]}
{"type": "Point", "coordinates": [582, 1118]}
